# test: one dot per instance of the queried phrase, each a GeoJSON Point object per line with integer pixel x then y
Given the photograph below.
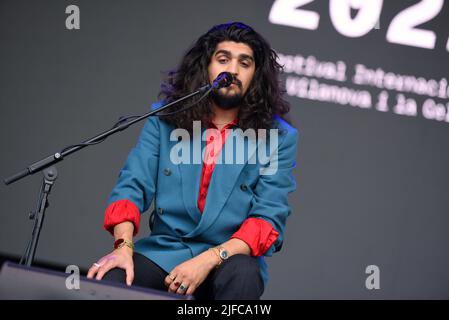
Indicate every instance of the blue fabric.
{"type": "Point", "coordinates": [180, 231]}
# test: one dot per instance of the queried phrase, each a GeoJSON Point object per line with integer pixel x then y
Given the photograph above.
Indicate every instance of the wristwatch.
{"type": "Point", "coordinates": [222, 253]}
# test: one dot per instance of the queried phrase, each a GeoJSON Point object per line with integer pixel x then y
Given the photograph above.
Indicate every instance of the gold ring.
{"type": "Point", "coordinates": [182, 287]}
{"type": "Point", "coordinates": [172, 277]}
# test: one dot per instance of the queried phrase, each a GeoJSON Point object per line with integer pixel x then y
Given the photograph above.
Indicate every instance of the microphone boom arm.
{"type": "Point", "coordinates": [59, 156]}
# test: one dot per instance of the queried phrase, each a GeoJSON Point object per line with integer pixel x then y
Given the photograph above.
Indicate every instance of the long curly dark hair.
{"type": "Point", "coordinates": [262, 101]}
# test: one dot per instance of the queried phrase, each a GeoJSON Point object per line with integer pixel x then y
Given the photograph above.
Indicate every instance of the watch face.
{"type": "Point", "coordinates": [223, 254]}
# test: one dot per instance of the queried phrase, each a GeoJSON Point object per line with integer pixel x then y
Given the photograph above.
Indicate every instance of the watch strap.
{"type": "Point", "coordinates": [220, 260]}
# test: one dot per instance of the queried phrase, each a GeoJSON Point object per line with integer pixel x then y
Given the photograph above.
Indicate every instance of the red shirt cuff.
{"type": "Point", "coordinates": [120, 211]}
{"type": "Point", "coordinates": [259, 234]}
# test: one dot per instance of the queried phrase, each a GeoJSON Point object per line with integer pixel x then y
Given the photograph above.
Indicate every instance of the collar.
{"type": "Point", "coordinates": [227, 125]}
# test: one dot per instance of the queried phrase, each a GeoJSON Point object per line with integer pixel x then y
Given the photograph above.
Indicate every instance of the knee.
{"type": "Point", "coordinates": [242, 269]}
{"type": "Point", "coordinates": [238, 278]}
{"type": "Point", "coordinates": [115, 275]}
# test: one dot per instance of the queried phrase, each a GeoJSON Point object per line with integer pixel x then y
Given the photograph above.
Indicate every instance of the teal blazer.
{"type": "Point", "coordinates": [236, 192]}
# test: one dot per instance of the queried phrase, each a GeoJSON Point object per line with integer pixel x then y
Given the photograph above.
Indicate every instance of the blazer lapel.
{"type": "Point", "coordinates": [191, 177]}
{"type": "Point", "coordinates": [223, 180]}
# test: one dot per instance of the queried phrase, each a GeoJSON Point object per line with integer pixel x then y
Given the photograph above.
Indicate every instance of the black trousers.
{"type": "Point", "coordinates": [238, 278]}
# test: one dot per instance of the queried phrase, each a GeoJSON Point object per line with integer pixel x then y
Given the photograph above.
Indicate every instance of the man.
{"type": "Point", "coordinates": [213, 222]}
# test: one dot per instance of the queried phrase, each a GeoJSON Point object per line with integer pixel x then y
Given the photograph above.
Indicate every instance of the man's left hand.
{"type": "Point", "coordinates": [186, 277]}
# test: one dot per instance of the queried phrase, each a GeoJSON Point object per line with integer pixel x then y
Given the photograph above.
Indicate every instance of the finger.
{"type": "Point", "coordinates": [105, 268]}
{"type": "Point", "coordinates": [129, 274]}
{"type": "Point", "coordinates": [190, 290]}
{"type": "Point", "coordinates": [92, 271]}
{"type": "Point", "coordinates": [174, 286]}
{"type": "Point", "coordinates": [169, 279]}
{"type": "Point", "coordinates": [182, 288]}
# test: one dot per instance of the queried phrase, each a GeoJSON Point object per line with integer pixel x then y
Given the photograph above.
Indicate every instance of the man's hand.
{"type": "Point", "coordinates": [186, 277]}
{"type": "Point", "coordinates": [120, 258]}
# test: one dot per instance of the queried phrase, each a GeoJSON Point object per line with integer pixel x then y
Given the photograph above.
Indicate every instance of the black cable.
{"type": "Point", "coordinates": [188, 106]}
{"type": "Point", "coordinates": [123, 120]}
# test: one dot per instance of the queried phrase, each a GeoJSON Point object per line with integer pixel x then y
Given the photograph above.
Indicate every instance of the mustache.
{"type": "Point", "coordinates": [237, 82]}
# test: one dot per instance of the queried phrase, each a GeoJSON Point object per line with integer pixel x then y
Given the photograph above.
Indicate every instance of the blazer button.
{"type": "Point", "coordinates": [160, 210]}
{"type": "Point", "coordinates": [243, 187]}
{"type": "Point", "coordinates": [167, 171]}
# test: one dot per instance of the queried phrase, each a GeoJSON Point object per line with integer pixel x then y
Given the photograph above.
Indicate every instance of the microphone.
{"type": "Point", "coordinates": [223, 80]}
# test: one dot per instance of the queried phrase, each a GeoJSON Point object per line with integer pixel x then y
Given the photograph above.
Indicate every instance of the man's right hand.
{"type": "Point", "coordinates": [120, 258]}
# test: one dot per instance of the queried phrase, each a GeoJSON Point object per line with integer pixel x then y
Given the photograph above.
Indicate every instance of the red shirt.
{"type": "Point", "coordinates": [259, 234]}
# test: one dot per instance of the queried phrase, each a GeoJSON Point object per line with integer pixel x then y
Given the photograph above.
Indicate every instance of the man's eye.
{"type": "Point", "coordinates": [222, 60]}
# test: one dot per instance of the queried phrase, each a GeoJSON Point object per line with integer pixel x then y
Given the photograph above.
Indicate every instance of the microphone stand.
{"type": "Point", "coordinates": [50, 173]}
{"type": "Point", "coordinates": [50, 176]}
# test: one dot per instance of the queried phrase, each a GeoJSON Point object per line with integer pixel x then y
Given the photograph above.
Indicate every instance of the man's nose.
{"type": "Point", "coordinates": [233, 68]}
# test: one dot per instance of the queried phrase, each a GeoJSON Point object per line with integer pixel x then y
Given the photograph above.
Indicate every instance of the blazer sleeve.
{"type": "Point", "coordinates": [138, 177]}
{"type": "Point", "coordinates": [270, 201]}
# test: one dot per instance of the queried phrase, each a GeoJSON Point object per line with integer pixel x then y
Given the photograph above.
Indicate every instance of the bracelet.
{"type": "Point", "coordinates": [123, 242]}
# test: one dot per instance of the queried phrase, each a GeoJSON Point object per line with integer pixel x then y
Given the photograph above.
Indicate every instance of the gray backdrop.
{"type": "Point", "coordinates": [372, 185]}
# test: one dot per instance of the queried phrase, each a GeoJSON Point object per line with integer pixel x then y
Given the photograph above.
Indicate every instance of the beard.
{"type": "Point", "coordinates": [226, 101]}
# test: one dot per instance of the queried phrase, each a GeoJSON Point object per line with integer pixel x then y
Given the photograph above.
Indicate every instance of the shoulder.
{"type": "Point", "coordinates": [155, 120]}
{"type": "Point", "coordinates": [283, 124]}
{"type": "Point", "coordinates": [286, 130]}
{"type": "Point", "coordinates": [157, 105]}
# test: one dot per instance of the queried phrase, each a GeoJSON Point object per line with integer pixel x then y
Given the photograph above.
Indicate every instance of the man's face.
{"type": "Point", "coordinates": [238, 59]}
